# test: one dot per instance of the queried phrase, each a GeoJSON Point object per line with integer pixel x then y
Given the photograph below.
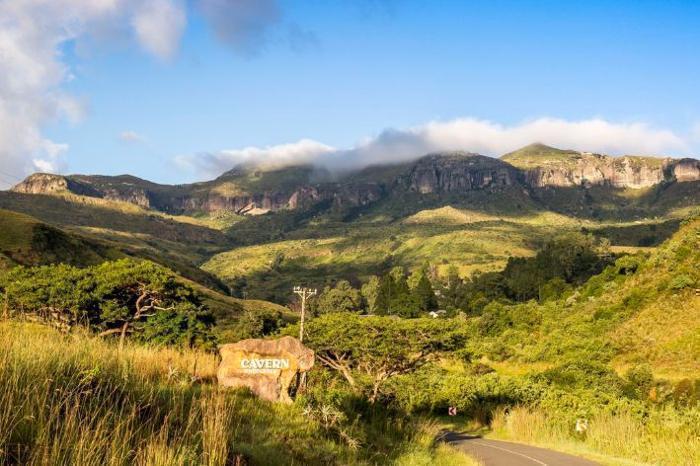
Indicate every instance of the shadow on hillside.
{"type": "Point", "coordinates": [59, 211]}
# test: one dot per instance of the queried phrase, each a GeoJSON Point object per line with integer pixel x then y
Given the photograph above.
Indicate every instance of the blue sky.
{"type": "Point", "coordinates": [340, 73]}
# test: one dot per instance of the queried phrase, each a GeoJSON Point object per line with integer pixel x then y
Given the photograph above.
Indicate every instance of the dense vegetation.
{"type": "Point", "coordinates": [124, 297]}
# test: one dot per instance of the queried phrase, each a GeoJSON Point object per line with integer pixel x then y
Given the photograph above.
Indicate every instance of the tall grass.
{"type": "Point", "coordinates": [72, 400]}
{"type": "Point", "coordinates": [665, 437]}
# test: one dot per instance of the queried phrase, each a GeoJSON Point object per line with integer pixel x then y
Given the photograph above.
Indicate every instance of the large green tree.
{"type": "Point", "coordinates": [369, 350]}
{"type": "Point", "coordinates": [423, 294]}
{"type": "Point", "coordinates": [370, 293]}
{"type": "Point", "coordinates": [124, 297]}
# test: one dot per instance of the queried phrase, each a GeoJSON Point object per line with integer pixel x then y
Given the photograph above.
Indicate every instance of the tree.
{"type": "Point", "coordinates": [139, 295]}
{"type": "Point", "coordinates": [385, 292]}
{"type": "Point", "coordinates": [423, 294]}
{"type": "Point", "coordinates": [368, 351]}
{"type": "Point", "coordinates": [402, 301]}
{"type": "Point", "coordinates": [60, 295]}
{"type": "Point", "coordinates": [341, 298]}
{"type": "Point", "coordinates": [370, 292]}
{"type": "Point", "coordinates": [124, 297]}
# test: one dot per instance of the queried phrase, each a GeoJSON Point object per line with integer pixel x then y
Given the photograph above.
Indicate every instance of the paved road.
{"type": "Point", "coordinates": [498, 453]}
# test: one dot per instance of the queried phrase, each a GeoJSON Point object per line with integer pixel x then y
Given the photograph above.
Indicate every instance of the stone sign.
{"type": "Point", "coordinates": [267, 367]}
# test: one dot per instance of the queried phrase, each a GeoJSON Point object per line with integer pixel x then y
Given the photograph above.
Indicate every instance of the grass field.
{"type": "Point", "coordinates": [72, 399]}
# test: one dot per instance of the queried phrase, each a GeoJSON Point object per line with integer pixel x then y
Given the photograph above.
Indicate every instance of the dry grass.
{"type": "Point", "coordinates": [73, 400]}
{"type": "Point", "coordinates": [665, 437]}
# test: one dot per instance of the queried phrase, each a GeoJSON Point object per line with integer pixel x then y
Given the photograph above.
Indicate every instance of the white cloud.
{"type": "Point", "coordinates": [158, 25]}
{"type": "Point", "coordinates": [32, 70]}
{"type": "Point", "coordinates": [212, 164]}
{"type": "Point", "coordinates": [468, 134]}
{"type": "Point", "coordinates": [493, 139]}
{"type": "Point", "coordinates": [131, 136]}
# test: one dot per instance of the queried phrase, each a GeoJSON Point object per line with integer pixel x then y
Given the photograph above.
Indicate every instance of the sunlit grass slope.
{"type": "Point", "coordinates": [179, 243]}
{"type": "Point", "coordinates": [472, 240]}
{"type": "Point", "coordinates": [72, 399]}
{"type": "Point", "coordinates": [643, 310]}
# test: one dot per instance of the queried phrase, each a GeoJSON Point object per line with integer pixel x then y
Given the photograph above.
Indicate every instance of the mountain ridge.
{"type": "Point", "coordinates": [250, 190]}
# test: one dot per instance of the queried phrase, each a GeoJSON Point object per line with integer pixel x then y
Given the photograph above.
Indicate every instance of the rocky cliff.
{"type": "Point", "coordinates": [250, 190]}
{"type": "Point", "coordinates": [545, 166]}
{"type": "Point", "coordinates": [458, 171]}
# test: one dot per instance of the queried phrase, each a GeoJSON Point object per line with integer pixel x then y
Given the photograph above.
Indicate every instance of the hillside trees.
{"type": "Point", "coordinates": [124, 297]}
{"type": "Point", "coordinates": [560, 264]}
{"type": "Point", "coordinates": [370, 292]}
{"type": "Point", "coordinates": [341, 298]}
{"type": "Point", "coordinates": [369, 350]}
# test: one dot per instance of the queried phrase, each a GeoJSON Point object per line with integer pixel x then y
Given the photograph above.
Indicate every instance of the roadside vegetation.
{"type": "Point", "coordinates": [76, 399]}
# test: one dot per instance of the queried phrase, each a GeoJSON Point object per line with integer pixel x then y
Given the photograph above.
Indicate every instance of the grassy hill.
{"type": "Point", "coordinates": [27, 241]}
{"type": "Point", "coordinates": [324, 249]}
{"type": "Point", "coordinates": [644, 310]}
{"type": "Point", "coordinates": [537, 155]}
{"type": "Point", "coordinates": [180, 243]}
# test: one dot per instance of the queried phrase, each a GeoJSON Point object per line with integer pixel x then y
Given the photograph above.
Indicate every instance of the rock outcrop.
{"type": "Point", "coordinates": [46, 183]}
{"type": "Point", "coordinates": [545, 166]}
{"type": "Point", "coordinates": [686, 170]}
{"type": "Point", "coordinates": [266, 367]}
{"type": "Point", "coordinates": [459, 171]}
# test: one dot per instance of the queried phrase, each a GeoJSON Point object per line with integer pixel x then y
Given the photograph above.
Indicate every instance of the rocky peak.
{"type": "Point", "coordinates": [47, 183]}
{"type": "Point", "coordinates": [458, 171]}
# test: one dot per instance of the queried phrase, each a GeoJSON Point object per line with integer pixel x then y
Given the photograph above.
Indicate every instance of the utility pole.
{"type": "Point", "coordinates": [305, 293]}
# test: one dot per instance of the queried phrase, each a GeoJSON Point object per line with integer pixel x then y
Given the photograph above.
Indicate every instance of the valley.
{"type": "Point", "coordinates": [563, 284]}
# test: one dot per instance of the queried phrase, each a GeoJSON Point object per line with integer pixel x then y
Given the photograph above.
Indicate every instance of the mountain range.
{"type": "Point", "coordinates": [251, 190]}
{"type": "Point", "coordinates": [257, 231]}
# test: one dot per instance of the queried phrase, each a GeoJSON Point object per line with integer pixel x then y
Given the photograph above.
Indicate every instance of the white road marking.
{"type": "Point", "coordinates": [510, 451]}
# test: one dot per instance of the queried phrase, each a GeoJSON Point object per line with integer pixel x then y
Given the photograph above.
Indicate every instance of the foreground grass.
{"type": "Point", "coordinates": [71, 399]}
{"type": "Point", "coordinates": [664, 437]}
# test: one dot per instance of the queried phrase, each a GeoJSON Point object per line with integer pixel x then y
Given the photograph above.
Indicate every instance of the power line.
{"type": "Point", "coordinates": [8, 180]}
{"type": "Point", "coordinates": [17, 177]}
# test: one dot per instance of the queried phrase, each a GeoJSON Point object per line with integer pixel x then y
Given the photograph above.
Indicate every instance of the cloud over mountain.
{"type": "Point", "coordinates": [471, 134]}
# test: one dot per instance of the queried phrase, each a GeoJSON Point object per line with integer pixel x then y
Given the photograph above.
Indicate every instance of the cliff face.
{"type": "Point", "coordinates": [593, 169]}
{"type": "Point", "coordinates": [549, 167]}
{"type": "Point", "coordinates": [248, 190]}
{"type": "Point", "coordinates": [686, 170]}
{"type": "Point", "coordinates": [459, 172]}
{"type": "Point", "coordinates": [45, 183]}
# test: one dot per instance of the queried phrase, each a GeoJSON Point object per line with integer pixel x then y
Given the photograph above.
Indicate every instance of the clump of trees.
{"type": "Point", "coordinates": [561, 264]}
{"type": "Point", "coordinates": [393, 293]}
{"type": "Point", "coordinates": [123, 298]}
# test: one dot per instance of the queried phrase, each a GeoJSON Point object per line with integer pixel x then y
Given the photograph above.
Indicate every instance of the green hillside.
{"type": "Point", "coordinates": [27, 241]}
{"type": "Point", "coordinates": [323, 250]}
{"type": "Point", "coordinates": [645, 309]}
{"type": "Point", "coordinates": [180, 243]}
{"type": "Point", "coordinates": [536, 155]}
